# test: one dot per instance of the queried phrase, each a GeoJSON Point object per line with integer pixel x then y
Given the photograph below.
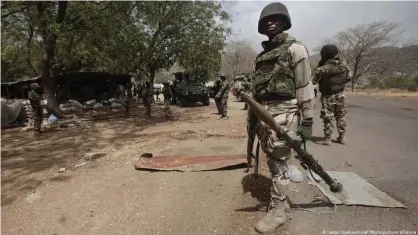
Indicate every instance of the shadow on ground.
{"type": "Point", "coordinates": [25, 156]}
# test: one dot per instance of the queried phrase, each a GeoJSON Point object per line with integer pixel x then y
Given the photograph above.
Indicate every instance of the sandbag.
{"type": "Point", "coordinates": [66, 110]}
{"type": "Point", "coordinates": [98, 106]}
{"type": "Point", "coordinates": [115, 105]}
{"type": "Point", "coordinates": [10, 112]}
{"type": "Point", "coordinates": [77, 110]}
{"type": "Point", "coordinates": [65, 105]}
{"type": "Point", "coordinates": [112, 100]}
{"type": "Point", "coordinates": [90, 102]}
{"type": "Point", "coordinates": [75, 104]}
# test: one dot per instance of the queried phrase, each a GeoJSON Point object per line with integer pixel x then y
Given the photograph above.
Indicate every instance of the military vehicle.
{"type": "Point", "coordinates": [189, 91]}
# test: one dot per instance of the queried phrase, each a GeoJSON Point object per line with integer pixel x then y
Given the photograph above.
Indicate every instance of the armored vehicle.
{"type": "Point", "coordinates": [189, 91]}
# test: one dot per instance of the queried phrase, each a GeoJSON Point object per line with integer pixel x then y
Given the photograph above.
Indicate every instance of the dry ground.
{"type": "Point", "coordinates": [108, 196]}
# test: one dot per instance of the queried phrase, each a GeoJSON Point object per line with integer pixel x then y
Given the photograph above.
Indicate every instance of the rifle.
{"type": "Point", "coordinates": [307, 160]}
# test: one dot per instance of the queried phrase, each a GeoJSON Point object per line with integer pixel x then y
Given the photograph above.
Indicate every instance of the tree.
{"type": "Point", "coordinates": [171, 28]}
{"type": "Point", "coordinates": [358, 46]}
{"type": "Point", "coordinates": [239, 57]}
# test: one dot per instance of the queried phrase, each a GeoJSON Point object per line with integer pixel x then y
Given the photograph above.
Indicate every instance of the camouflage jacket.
{"type": "Point", "coordinates": [332, 76]}
{"type": "Point", "coordinates": [282, 71]}
{"type": "Point", "coordinates": [167, 92]}
{"type": "Point", "coordinates": [223, 91]}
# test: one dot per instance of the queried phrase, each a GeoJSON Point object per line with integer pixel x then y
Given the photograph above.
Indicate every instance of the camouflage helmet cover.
{"type": "Point", "coordinates": [274, 9]}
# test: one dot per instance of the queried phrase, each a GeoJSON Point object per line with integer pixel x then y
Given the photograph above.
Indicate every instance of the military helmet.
{"type": "Point", "coordinates": [274, 9]}
{"type": "Point", "coordinates": [34, 86]}
{"type": "Point", "coordinates": [329, 51]}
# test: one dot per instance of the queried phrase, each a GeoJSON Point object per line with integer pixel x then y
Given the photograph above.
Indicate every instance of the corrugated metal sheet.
{"type": "Point", "coordinates": [356, 191]}
{"type": "Point", "coordinates": [190, 163]}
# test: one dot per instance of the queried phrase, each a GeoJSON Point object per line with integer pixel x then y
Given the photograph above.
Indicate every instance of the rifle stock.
{"type": "Point", "coordinates": [304, 157]}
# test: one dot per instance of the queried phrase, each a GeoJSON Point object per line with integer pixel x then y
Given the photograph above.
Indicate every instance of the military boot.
{"type": "Point", "coordinates": [341, 140]}
{"type": "Point", "coordinates": [327, 141]}
{"type": "Point", "coordinates": [223, 118]}
{"type": "Point", "coordinates": [275, 217]}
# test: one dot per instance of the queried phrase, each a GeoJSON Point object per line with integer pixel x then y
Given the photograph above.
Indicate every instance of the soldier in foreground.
{"type": "Point", "coordinates": [281, 83]}
{"type": "Point", "coordinates": [332, 74]}
{"type": "Point", "coordinates": [168, 95]}
{"type": "Point", "coordinates": [222, 95]}
{"type": "Point", "coordinates": [35, 101]}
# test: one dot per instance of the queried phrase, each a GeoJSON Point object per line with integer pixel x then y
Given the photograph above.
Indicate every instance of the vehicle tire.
{"type": "Point", "coordinates": [206, 102]}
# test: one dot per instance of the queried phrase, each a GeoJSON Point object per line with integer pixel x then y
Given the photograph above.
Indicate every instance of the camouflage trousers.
{"type": "Point", "coordinates": [224, 106]}
{"type": "Point", "coordinates": [167, 110]}
{"type": "Point", "coordinates": [278, 152]}
{"type": "Point", "coordinates": [334, 106]}
{"type": "Point", "coordinates": [218, 105]}
{"type": "Point", "coordinates": [37, 118]}
{"type": "Point", "coordinates": [147, 105]}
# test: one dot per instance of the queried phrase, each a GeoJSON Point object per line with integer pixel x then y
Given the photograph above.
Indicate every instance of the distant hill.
{"type": "Point", "coordinates": [406, 64]}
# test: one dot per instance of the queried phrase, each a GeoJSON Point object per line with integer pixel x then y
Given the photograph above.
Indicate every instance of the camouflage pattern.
{"type": "Point", "coordinates": [334, 106]}
{"type": "Point", "coordinates": [168, 95]}
{"type": "Point", "coordinates": [332, 77]}
{"type": "Point", "coordinates": [222, 96]}
{"type": "Point", "coordinates": [147, 100]}
{"type": "Point", "coordinates": [35, 101]}
{"type": "Point", "coordinates": [282, 83]}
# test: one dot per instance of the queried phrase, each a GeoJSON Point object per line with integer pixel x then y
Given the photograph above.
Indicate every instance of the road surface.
{"type": "Point", "coordinates": [108, 196]}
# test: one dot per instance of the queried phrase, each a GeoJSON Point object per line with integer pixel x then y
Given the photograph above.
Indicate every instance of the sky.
{"type": "Point", "coordinates": [313, 21]}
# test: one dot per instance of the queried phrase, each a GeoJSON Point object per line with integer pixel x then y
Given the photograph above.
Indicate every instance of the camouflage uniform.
{"type": "Point", "coordinates": [147, 99]}
{"type": "Point", "coordinates": [282, 84]}
{"type": "Point", "coordinates": [223, 96]}
{"type": "Point", "coordinates": [247, 90]}
{"type": "Point", "coordinates": [35, 102]}
{"type": "Point", "coordinates": [128, 98]}
{"type": "Point", "coordinates": [168, 95]}
{"type": "Point", "coordinates": [216, 88]}
{"type": "Point", "coordinates": [332, 76]}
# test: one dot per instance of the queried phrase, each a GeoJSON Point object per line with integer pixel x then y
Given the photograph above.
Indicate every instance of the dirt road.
{"type": "Point", "coordinates": [108, 196]}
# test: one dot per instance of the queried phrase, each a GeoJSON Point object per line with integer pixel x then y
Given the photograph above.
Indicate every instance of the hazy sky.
{"type": "Point", "coordinates": [313, 21]}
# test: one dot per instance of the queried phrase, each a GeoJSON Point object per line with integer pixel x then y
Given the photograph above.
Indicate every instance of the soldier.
{"type": "Point", "coordinates": [128, 97]}
{"type": "Point", "coordinates": [168, 95]}
{"type": "Point", "coordinates": [282, 83]}
{"type": "Point", "coordinates": [247, 89]}
{"type": "Point", "coordinates": [147, 94]}
{"type": "Point", "coordinates": [216, 88]}
{"type": "Point", "coordinates": [222, 95]}
{"type": "Point", "coordinates": [35, 101]}
{"type": "Point", "coordinates": [332, 74]}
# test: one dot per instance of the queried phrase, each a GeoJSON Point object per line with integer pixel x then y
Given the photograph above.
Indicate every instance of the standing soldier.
{"type": "Point", "coordinates": [147, 94]}
{"type": "Point", "coordinates": [216, 88]}
{"type": "Point", "coordinates": [128, 89]}
{"type": "Point", "coordinates": [332, 74]}
{"type": "Point", "coordinates": [247, 90]}
{"type": "Point", "coordinates": [282, 83]}
{"type": "Point", "coordinates": [222, 95]}
{"type": "Point", "coordinates": [168, 95]}
{"type": "Point", "coordinates": [35, 101]}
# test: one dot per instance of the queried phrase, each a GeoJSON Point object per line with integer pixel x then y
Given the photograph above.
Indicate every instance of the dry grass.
{"type": "Point", "coordinates": [385, 93]}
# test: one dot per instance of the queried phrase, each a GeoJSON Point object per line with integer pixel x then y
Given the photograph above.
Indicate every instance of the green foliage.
{"type": "Point", "coordinates": [138, 38]}
{"type": "Point", "coordinates": [399, 82]}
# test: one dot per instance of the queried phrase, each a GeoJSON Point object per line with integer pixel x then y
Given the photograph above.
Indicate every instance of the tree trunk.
{"type": "Point", "coordinates": [49, 39]}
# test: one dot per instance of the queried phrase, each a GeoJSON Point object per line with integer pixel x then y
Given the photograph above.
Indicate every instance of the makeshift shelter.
{"type": "Point", "coordinates": [83, 86]}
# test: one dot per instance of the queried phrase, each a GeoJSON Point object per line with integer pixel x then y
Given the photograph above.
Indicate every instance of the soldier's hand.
{"type": "Point", "coordinates": [305, 128]}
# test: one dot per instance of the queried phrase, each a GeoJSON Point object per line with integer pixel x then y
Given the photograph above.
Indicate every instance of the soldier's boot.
{"type": "Point", "coordinates": [327, 141]}
{"type": "Point", "coordinates": [341, 139]}
{"type": "Point", "coordinates": [279, 209]}
{"type": "Point", "coordinates": [223, 117]}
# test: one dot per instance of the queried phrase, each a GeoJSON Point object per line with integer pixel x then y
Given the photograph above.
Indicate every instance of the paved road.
{"type": "Point", "coordinates": [382, 148]}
